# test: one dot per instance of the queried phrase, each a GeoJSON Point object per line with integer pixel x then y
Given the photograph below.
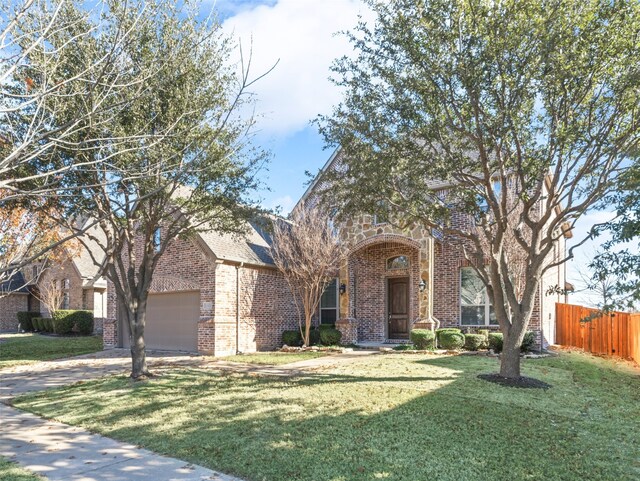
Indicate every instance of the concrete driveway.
{"type": "Point", "coordinates": [56, 373]}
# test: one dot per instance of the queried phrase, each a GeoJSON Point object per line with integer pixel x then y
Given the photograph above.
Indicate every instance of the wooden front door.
{"type": "Point", "coordinates": [398, 306]}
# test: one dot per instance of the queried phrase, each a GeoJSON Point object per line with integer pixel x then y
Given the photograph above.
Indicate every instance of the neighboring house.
{"type": "Point", "coordinates": [79, 278]}
{"type": "Point", "coordinates": [14, 297]}
{"type": "Point", "coordinates": [215, 294]}
{"type": "Point", "coordinates": [396, 279]}
{"type": "Point", "coordinates": [74, 273]}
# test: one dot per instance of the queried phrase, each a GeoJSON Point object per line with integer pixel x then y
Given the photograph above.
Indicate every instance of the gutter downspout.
{"type": "Point", "coordinates": [435, 323]}
{"type": "Point", "coordinates": [238, 267]}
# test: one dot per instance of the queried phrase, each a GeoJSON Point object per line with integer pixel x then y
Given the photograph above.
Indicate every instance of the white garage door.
{"type": "Point", "coordinates": [172, 321]}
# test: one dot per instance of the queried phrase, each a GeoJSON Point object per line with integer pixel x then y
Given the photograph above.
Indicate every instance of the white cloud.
{"type": "Point", "coordinates": [300, 34]}
{"type": "Point", "coordinates": [282, 204]}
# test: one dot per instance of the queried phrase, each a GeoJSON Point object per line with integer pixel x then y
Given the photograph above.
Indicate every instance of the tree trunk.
{"type": "Point", "coordinates": [510, 356]}
{"type": "Point", "coordinates": [510, 362]}
{"type": "Point", "coordinates": [306, 332]}
{"type": "Point", "coordinates": [139, 367]}
{"type": "Point", "coordinates": [136, 320]}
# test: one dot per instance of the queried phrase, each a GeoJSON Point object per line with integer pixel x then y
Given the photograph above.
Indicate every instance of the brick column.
{"type": "Point", "coordinates": [109, 333]}
{"type": "Point", "coordinates": [206, 336]}
{"type": "Point", "coordinates": [349, 329]}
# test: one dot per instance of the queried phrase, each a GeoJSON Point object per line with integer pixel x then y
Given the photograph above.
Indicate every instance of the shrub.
{"type": "Point", "coordinates": [495, 341]}
{"type": "Point", "coordinates": [35, 322]}
{"type": "Point", "coordinates": [330, 337]}
{"type": "Point", "coordinates": [63, 323]}
{"type": "Point", "coordinates": [404, 347]}
{"type": "Point", "coordinates": [451, 340]}
{"type": "Point", "coordinates": [473, 342]}
{"type": "Point", "coordinates": [80, 321]}
{"type": "Point", "coordinates": [25, 318]}
{"type": "Point", "coordinates": [484, 333]}
{"type": "Point", "coordinates": [292, 338]}
{"type": "Point", "coordinates": [84, 322]}
{"type": "Point", "coordinates": [422, 338]}
{"type": "Point", "coordinates": [47, 324]}
{"type": "Point", "coordinates": [314, 337]}
{"type": "Point", "coordinates": [528, 342]}
{"type": "Point", "coordinates": [441, 331]}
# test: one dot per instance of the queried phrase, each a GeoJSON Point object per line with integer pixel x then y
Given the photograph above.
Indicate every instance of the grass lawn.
{"type": "Point", "coordinates": [17, 349]}
{"type": "Point", "coordinates": [274, 358]}
{"type": "Point", "coordinates": [392, 417]}
{"type": "Point", "coordinates": [12, 472]}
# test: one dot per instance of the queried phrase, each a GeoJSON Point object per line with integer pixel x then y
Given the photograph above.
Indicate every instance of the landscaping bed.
{"type": "Point", "coordinates": [404, 417]}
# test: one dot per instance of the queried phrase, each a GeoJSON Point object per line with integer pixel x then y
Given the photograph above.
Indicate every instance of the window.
{"type": "Point", "coordinates": [157, 239]}
{"type": "Point", "coordinates": [65, 300]}
{"type": "Point", "coordinates": [65, 283]}
{"type": "Point", "coordinates": [399, 262]}
{"type": "Point", "coordinates": [329, 303]}
{"type": "Point", "coordinates": [475, 307]}
{"type": "Point", "coordinates": [381, 215]}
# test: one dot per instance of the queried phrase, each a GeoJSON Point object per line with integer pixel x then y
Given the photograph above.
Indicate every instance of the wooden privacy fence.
{"type": "Point", "coordinates": [612, 334]}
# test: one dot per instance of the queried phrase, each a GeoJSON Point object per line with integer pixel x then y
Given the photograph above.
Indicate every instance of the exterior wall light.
{"type": "Point", "coordinates": [422, 286]}
{"type": "Point", "coordinates": [343, 288]}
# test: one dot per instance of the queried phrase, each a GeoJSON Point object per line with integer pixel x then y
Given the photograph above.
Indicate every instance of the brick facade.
{"type": "Point", "coordinates": [266, 307]}
{"type": "Point", "coordinates": [10, 305]}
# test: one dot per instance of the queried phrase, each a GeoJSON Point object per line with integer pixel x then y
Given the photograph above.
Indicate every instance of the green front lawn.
{"type": "Point", "coordinates": [17, 349]}
{"type": "Point", "coordinates": [394, 417]}
{"type": "Point", "coordinates": [274, 358]}
{"type": "Point", "coordinates": [12, 472]}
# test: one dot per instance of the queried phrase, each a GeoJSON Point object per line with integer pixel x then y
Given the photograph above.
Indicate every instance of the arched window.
{"type": "Point", "coordinates": [398, 262]}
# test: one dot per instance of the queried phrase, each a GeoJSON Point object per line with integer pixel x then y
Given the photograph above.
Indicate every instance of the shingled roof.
{"type": "Point", "coordinates": [15, 283]}
{"type": "Point", "coordinates": [252, 248]}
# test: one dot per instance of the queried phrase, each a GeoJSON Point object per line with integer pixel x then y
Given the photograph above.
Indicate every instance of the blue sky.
{"type": "Point", "coordinates": [301, 36]}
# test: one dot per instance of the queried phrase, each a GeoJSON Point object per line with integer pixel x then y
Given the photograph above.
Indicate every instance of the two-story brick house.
{"type": "Point", "coordinates": [221, 294]}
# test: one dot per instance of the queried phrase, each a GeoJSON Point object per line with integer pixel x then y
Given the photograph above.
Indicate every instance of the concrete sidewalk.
{"type": "Point", "coordinates": [61, 452]}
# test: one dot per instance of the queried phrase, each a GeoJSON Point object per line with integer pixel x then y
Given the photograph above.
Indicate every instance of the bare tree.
{"type": "Point", "coordinates": [51, 295]}
{"type": "Point", "coordinates": [65, 77]}
{"type": "Point", "coordinates": [307, 251]}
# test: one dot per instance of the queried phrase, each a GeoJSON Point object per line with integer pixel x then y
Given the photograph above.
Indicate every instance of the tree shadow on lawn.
{"type": "Point", "coordinates": [334, 426]}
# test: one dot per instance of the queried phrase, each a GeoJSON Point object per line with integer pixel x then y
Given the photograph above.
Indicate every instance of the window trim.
{"type": "Point", "coordinates": [386, 265]}
{"type": "Point", "coordinates": [487, 303]}
{"type": "Point", "coordinates": [337, 307]}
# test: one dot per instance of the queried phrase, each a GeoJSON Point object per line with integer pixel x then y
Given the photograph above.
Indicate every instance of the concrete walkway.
{"type": "Point", "coordinates": [61, 452]}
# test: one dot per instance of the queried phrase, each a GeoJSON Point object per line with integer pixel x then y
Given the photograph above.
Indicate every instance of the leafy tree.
{"type": "Point", "coordinates": [620, 259]}
{"type": "Point", "coordinates": [498, 124]}
{"type": "Point", "coordinates": [150, 191]}
{"type": "Point", "coordinates": [62, 78]}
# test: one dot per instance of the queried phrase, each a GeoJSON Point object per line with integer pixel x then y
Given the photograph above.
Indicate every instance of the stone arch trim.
{"type": "Point", "coordinates": [382, 238]}
{"type": "Point", "coordinates": [169, 284]}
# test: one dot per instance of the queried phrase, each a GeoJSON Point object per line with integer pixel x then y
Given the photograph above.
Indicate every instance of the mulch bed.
{"type": "Point", "coordinates": [521, 382]}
